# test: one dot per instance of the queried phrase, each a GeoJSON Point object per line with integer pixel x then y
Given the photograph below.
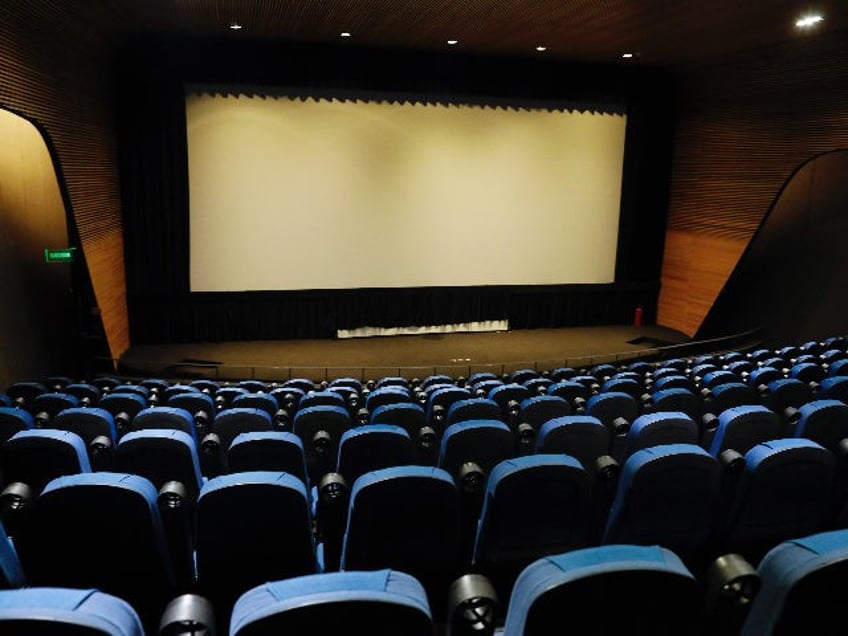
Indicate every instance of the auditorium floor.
{"type": "Point", "coordinates": [418, 355]}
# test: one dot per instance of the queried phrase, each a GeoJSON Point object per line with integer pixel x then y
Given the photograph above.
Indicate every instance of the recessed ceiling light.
{"type": "Point", "coordinates": [808, 20]}
{"type": "Point", "coordinates": [541, 48]}
{"type": "Point", "coordinates": [235, 26]}
{"type": "Point", "coordinates": [627, 56]}
{"type": "Point", "coordinates": [344, 34]}
{"type": "Point", "coordinates": [452, 42]}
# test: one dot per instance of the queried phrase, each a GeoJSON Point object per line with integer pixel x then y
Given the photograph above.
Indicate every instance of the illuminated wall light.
{"type": "Point", "coordinates": [627, 56]}
{"type": "Point", "coordinates": [344, 34]}
{"type": "Point", "coordinates": [807, 21]}
{"type": "Point", "coordinates": [452, 42]}
{"type": "Point", "coordinates": [235, 26]}
{"type": "Point", "coordinates": [541, 48]}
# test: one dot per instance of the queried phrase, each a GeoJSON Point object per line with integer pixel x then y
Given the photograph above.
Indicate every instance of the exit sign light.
{"type": "Point", "coordinates": [64, 255]}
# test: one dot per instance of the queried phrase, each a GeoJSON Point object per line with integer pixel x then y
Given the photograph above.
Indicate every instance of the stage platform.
{"type": "Point", "coordinates": [455, 354]}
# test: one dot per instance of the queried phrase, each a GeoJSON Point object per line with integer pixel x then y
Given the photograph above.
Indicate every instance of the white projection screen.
{"type": "Point", "coordinates": [322, 193]}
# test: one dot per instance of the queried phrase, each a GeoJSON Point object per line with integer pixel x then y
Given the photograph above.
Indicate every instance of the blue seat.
{"type": "Point", "coordinates": [667, 495]}
{"type": "Point", "coordinates": [741, 428]}
{"type": "Point", "coordinates": [231, 421]}
{"type": "Point", "coordinates": [571, 391]}
{"type": "Point", "coordinates": [23, 393]}
{"type": "Point", "coordinates": [802, 587]}
{"type": "Point", "coordinates": [484, 442]}
{"type": "Point", "coordinates": [405, 518]}
{"type": "Point", "coordinates": [633, 387]}
{"type": "Point", "coordinates": [439, 402]}
{"type": "Point", "coordinates": [581, 436]}
{"type": "Point", "coordinates": [506, 393]}
{"type": "Point", "coordinates": [538, 410]}
{"type": "Point", "coordinates": [66, 611]}
{"type": "Point", "coordinates": [380, 603]}
{"type": "Point", "coordinates": [391, 394]}
{"type": "Point", "coordinates": [123, 407]}
{"type": "Point", "coordinates": [161, 455]}
{"type": "Point", "coordinates": [655, 429]}
{"type": "Point", "coordinates": [652, 591]}
{"type": "Point", "coordinates": [322, 398]}
{"type": "Point", "coordinates": [14, 420]}
{"type": "Point", "coordinates": [37, 456]}
{"type": "Point", "coordinates": [477, 408]}
{"type": "Point", "coordinates": [612, 406]}
{"type": "Point", "coordinates": [90, 424]}
{"type": "Point", "coordinates": [785, 491]}
{"type": "Point", "coordinates": [534, 506]}
{"type": "Point", "coordinates": [11, 572]}
{"type": "Point", "coordinates": [251, 528]}
{"type": "Point", "coordinates": [320, 428]}
{"type": "Point", "coordinates": [785, 394]}
{"type": "Point", "coordinates": [824, 421]}
{"type": "Point", "coordinates": [100, 530]}
{"type": "Point", "coordinates": [261, 401]}
{"type": "Point", "coordinates": [835, 388]}
{"type": "Point", "coordinates": [371, 447]}
{"type": "Point", "coordinates": [47, 405]}
{"type": "Point", "coordinates": [276, 451]}
{"type": "Point", "coordinates": [87, 394]}
{"type": "Point", "coordinates": [164, 417]}
{"type": "Point", "coordinates": [728, 395]}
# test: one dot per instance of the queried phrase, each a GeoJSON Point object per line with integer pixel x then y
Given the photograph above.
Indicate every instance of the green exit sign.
{"type": "Point", "coordinates": [64, 255]}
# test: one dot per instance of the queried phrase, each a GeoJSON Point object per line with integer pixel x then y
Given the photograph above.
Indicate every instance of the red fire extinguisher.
{"type": "Point", "coordinates": [637, 316]}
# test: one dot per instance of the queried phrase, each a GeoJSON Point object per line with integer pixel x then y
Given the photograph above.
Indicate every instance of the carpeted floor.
{"type": "Point", "coordinates": [419, 355]}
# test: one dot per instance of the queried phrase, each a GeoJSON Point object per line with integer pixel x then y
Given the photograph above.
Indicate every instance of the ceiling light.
{"type": "Point", "coordinates": [541, 48]}
{"type": "Point", "coordinates": [627, 56]}
{"type": "Point", "coordinates": [452, 42]}
{"type": "Point", "coordinates": [235, 26]}
{"type": "Point", "coordinates": [809, 20]}
{"type": "Point", "coordinates": [344, 34]}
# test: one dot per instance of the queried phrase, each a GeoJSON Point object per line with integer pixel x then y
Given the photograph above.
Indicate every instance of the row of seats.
{"type": "Point", "coordinates": [797, 589]}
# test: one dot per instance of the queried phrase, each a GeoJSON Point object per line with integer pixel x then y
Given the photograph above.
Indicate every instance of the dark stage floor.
{"type": "Point", "coordinates": [455, 354]}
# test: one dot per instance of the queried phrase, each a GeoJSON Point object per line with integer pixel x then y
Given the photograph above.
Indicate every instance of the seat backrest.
{"type": "Point", "coordinates": [52, 403]}
{"type": "Point", "coordinates": [11, 572]}
{"type": "Point", "coordinates": [477, 408]}
{"type": "Point", "coordinates": [666, 495]}
{"type": "Point", "coordinates": [538, 410]}
{"type": "Point", "coordinates": [380, 603]}
{"type": "Point", "coordinates": [534, 505]}
{"type": "Point", "coordinates": [801, 587]}
{"type": "Point", "coordinates": [251, 527]}
{"type": "Point", "coordinates": [655, 429]}
{"type": "Point", "coordinates": [231, 421]}
{"type": "Point", "coordinates": [161, 455]}
{"type": "Point", "coordinates": [371, 447]}
{"type": "Point", "coordinates": [275, 451]}
{"type": "Point", "coordinates": [391, 394]}
{"type": "Point", "coordinates": [614, 404]}
{"type": "Point", "coordinates": [485, 442]}
{"type": "Point", "coordinates": [676, 399]}
{"type": "Point", "coordinates": [786, 491]}
{"type": "Point", "coordinates": [823, 421]}
{"type": "Point", "coordinates": [100, 530]}
{"type": "Point", "coordinates": [506, 393]}
{"type": "Point", "coordinates": [262, 401]}
{"type": "Point", "coordinates": [320, 428]}
{"type": "Point", "coordinates": [36, 456]}
{"type": "Point", "coordinates": [581, 436]}
{"type": "Point", "coordinates": [742, 427]}
{"type": "Point", "coordinates": [13, 420]}
{"type": "Point", "coordinates": [405, 518]}
{"type": "Point", "coordinates": [654, 591]}
{"type": "Point", "coordinates": [66, 611]}
{"type": "Point", "coordinates": [117, 403]}
{"type": "Point", "coordinates": [164, 417]}
{"type": "Point", "coordinates": [88, 423]}
{"type": "Point", "coordinates": [321, 398]}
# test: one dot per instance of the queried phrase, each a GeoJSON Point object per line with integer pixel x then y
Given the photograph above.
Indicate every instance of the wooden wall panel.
{"type": "Point", "coordinates": [55, 72]}
{"type": "Point", "coordinates": [744, 125]}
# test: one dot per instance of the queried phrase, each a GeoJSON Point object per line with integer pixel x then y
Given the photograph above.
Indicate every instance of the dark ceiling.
{"type": "Point", "coordinates": [668, 33]}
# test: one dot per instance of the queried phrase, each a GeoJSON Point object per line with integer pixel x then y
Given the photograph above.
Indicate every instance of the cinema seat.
{"type": "Point", "coordinates": [379, 603]}
{"type": "Point", "coordinates": [11, 572]}
{"type": "Point", "coordinates": [667, 495]}
{"type": "Point", "coordinates": [534, 506]}
{"type": "Point", "coordinates": [275, 451]}
{"type": "Point", "coordinates": [35, 457]}
{"type": "Point", "coordinates": [251, 527]}
{"type": "Point", "coordinates": [371, 447]}
{"type": "Point", "coordinates": [100, 530]}
{"type": "Point", "coordinates": [57, 611]}
{"type": "Point", "coordinates": [477, 408]}
{"type": "Point", "coordinates": [161, 455]}
{"type": "Point", "coordinates": [613, 589]}
{"type": "Point", "coordinates": [320, 428]}
{"type": "Point", "coordinates": [802, 587]}
{"type": "Point", "coordinates": [13, 420]}
{"type": "Point", "coordinates": [655, 429]}
{"type": "Point", "coordinates": [406, 518]}
{"type": "Point", "coordinates": [740, 428]}
{"type": "Point", "coordinates": [581, 436]}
